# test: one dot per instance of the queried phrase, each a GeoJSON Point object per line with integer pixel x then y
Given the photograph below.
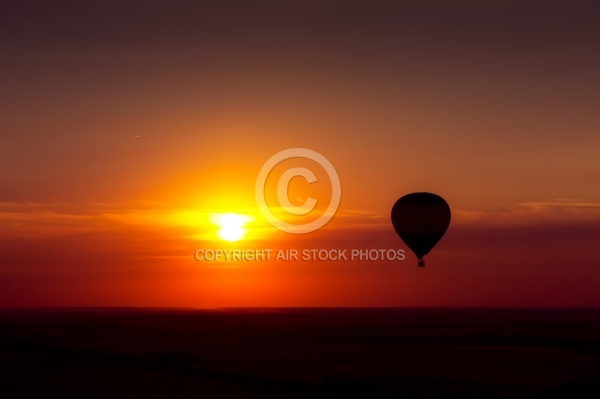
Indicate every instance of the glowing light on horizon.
{"type": "Point", "coordinates": [231, 225]}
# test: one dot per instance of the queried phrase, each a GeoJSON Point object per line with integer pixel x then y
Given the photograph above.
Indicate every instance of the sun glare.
{"type": "Point", "coordinates": [231, 225]}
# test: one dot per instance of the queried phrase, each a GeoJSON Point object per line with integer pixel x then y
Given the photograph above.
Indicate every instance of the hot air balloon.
{"type": "Point", "coordinates": [421, 219]}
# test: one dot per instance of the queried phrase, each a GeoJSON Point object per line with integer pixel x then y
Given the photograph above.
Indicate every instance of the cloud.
{"type": "Point", "coordinates": [532, 213]}
{"type": "Point", "coordinates": [561, 204]}
{"type": "Point", "coordinates": [42, 219]}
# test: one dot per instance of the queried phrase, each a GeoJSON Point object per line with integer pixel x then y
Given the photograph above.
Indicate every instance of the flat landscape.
{"type": "Point", "coordinates": [300, 352]}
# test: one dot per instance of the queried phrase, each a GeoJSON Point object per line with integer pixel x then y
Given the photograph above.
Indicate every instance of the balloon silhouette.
{"type": "Point", "coordinates": [421, 219]}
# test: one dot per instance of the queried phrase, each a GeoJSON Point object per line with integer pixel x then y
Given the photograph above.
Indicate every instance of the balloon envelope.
{"type": "Point", "coordinates": [421, 219]}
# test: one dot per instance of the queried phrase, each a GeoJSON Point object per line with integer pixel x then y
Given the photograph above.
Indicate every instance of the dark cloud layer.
{"type": "Point", "coordinates": [465, 23]}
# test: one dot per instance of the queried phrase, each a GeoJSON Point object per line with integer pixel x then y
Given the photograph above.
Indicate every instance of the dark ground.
{"type": "Point", "coordinates": [281, 353]}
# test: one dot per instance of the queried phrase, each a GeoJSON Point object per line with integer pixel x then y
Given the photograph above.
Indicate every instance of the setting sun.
{"type": "Point", "coordinates": [231, 225]}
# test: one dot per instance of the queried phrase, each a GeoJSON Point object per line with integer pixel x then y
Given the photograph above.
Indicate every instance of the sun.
{"type": "Point", "coordinates": [231, 225]}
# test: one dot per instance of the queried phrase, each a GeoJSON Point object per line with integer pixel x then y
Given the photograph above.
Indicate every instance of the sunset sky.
{"type": "Point", "coordinates": [125, 127]}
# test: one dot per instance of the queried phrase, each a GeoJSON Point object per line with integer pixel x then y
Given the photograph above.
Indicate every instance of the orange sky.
{"type": "Point", "coordinates": [125, 127]}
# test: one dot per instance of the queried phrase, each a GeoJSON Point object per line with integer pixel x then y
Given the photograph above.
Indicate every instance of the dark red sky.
{"type": "Point", "coordinates": [123, 127]}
